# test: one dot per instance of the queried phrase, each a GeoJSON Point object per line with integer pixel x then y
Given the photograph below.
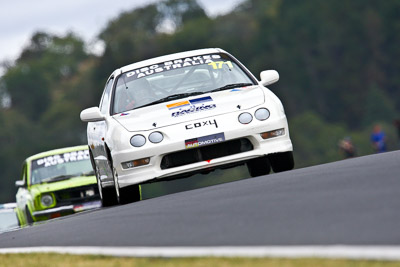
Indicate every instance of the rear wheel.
{"type": "Point", "coordinates": [128, 194]}
{"type": "Point", "coordinates": [258, 166]}
{"type": "Point", "coordinates": [281, 162]}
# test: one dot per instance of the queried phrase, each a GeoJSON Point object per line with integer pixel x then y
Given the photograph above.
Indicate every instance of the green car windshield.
{"type": "Point", "coordinates": [61, 166]}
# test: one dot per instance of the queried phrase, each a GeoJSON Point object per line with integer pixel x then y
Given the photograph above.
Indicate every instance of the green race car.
{"type": "Point", "coordinates": [56, 183]}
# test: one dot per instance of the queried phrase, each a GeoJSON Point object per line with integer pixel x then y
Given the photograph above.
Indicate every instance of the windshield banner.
{"type": "Point", "coordinates": [60, 159]}
{"type": "Point", "coordinates": [170, 65]}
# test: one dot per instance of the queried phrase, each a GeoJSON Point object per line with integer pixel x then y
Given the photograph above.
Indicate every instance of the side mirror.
{"type": "Point", "coordinates": [91, 114]}
{"type": "Point", "coordinates": [20, 183]}
{"type": "Point", "coordinates": [269, 77]}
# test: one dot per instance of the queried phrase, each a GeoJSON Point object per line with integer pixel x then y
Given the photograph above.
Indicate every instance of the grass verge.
{"type": "Point", "coordinates": [55, 260]}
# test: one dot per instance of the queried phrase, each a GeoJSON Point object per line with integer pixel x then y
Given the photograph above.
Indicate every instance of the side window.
{"type": "Point", "coordinates": [105, 100]}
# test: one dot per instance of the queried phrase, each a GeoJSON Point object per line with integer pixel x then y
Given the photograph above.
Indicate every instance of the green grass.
{"type": "Point", "coordinates": [55, 260]}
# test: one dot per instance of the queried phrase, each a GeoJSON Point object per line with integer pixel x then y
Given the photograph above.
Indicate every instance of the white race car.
{"type": "Point", "coordinates": [175, 115]}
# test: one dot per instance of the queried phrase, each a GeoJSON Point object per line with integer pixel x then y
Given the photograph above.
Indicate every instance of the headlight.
{"type": "Point", "coordinates": [245, 118]}
{"type": "Point", "coordinates": [138, 140]}
{"type": "Point", "coordinates": [261, 114]}
{"type": "Point", "coordinates": [89, 192]}
{"type": "Point", "coordinates": [46, 200]}
{"type": "Point", "coordinates": [156, 137]}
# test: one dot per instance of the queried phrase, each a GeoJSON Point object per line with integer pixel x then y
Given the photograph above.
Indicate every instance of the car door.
{"type": "Point", "coordinates": [96, 135]}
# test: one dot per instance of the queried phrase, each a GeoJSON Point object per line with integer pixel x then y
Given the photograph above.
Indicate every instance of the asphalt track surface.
{"type": "Point", "coordinates": [351, 202]}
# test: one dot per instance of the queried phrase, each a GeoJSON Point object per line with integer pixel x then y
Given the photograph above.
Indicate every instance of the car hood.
{"type": "Point", "coordinates": [70, 183]}
{"type": "Point", "coordinates": [191, 108]}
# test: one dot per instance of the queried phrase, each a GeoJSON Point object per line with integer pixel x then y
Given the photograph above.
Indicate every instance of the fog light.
{"type": "Point", "coordinates": [262, 114]}
{"type": "Point", "coordinates": [46, 200]}
{"type": "Point", "coordinates": [245, 118]}
{"type": "Point", "coordinates": [135, 163]}
{"type": "Point", "coordinates": [138, 140]}
{"type": "Point", "coordinates": [273, 133]}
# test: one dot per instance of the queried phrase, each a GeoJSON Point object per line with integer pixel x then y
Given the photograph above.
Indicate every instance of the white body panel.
{"type": "Point", "coordinates": [111, 137]}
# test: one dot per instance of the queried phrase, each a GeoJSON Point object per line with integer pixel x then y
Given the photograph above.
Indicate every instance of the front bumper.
{"type": "Point", "coordinates": [176, 135]}
{"type": "Point", "coordinates": [59, 211]}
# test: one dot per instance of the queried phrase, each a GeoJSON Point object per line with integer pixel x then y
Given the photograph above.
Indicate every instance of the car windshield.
{"type": "Point", "coordinates": [177, 79]}
{"type": "Point", "coordinates": [61, 166]}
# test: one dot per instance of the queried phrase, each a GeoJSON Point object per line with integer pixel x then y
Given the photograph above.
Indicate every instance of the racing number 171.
{"type": "Point", "coordinates": [218, 64]}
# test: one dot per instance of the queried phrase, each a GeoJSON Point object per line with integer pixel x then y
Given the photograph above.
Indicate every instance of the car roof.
{"type": "Point", "coordinates": [56, 151]}
{"type": "Point", "coordinates": [152, 61]}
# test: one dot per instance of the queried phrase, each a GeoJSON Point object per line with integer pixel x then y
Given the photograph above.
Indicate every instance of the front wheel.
{"type": "Point", "coordinates": [258, 166]}
{"type": "Point", "coordinates": [107, 194]}
{"type": "Point", "coordinates": [29, 218]}
{"type": "Point", "coordinates": [281, 162]}
{"type": "Point", "coordinates": [128, 194]}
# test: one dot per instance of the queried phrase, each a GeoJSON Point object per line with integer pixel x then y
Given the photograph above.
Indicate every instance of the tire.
{"type": "Point", "coordinates": [107, 194]}
{"type": "Point", "coordinates": [258, 166]}
{"type": "Point", "coordinates": [281, 162]}
{"type": "Point", "coordinates": [29, 218]}
{"type": "Point", "coordinates": [109, 197]}
{"type": "Point", "coordinates": [128, 194]}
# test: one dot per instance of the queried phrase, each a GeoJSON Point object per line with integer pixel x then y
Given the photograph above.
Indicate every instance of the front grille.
{"type": "Point", "coordinates": [204, 153]}
{"type": "Point", "coordinates": [76, 195]}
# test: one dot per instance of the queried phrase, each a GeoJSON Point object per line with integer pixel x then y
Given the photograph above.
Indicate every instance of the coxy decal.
{"type": "Point", "coordinates": [205, 140]}
{"type": "Point", "coordinates": [201, 124]}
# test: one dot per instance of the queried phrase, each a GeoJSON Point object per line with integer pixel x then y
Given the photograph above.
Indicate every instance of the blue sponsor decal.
{"type": "Point", "coordinates": [200, 100]}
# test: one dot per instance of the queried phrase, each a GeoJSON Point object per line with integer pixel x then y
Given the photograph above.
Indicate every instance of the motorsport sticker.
{"type": "Point", "coordinates": [60, 159]}
{"type": "Point", "coordinates": [188, 102]}
{"type": "Point", "coordinates": [191, 106]}
{"type": "Point", "coordinates": [193, 109]}
{"type": "Point", "coordinates": [205, 140]}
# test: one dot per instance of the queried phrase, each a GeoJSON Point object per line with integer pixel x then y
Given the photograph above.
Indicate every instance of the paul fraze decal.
{"type": "Point", "coordinates": [205, 140]}
{"type": "Point", "coordinates": [191, 106]}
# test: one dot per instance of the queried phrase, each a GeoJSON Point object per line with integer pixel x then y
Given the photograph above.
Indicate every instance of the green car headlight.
{"type": "Point", "coordinates": [46, 200]}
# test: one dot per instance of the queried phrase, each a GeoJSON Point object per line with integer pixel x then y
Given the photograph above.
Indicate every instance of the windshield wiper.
{"type": "Point", "coordinates": [56, 178]}
{"type": "Point", "coordinates": [231, 86]}
{"type": "Point", "coordinates": [172, 97]}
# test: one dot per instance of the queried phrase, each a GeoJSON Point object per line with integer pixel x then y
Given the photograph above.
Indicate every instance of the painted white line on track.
{"type": "Point", "coordinates": [332, 252]}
